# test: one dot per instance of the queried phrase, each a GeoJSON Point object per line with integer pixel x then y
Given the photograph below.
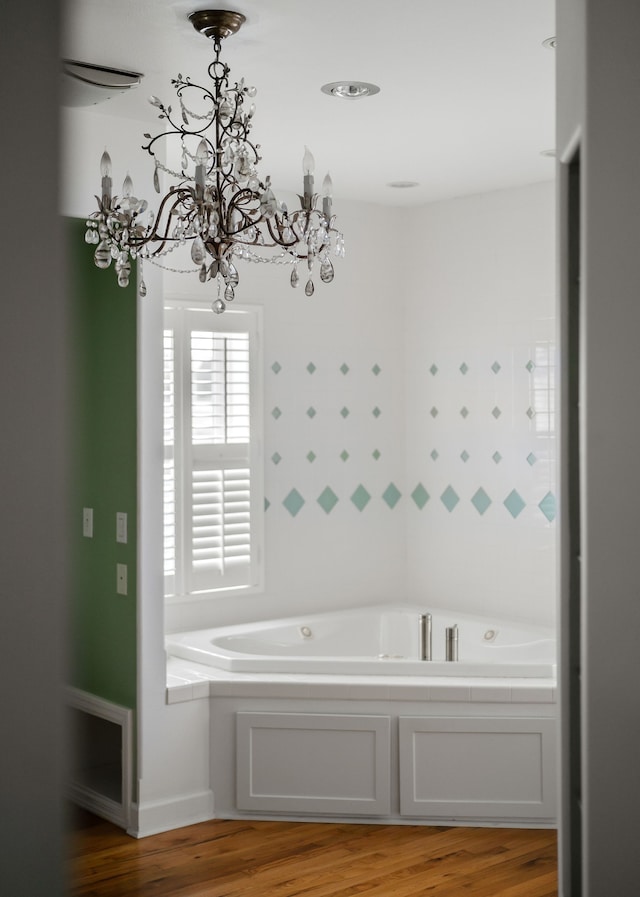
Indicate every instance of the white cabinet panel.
{"type": "Point", "coordinates": [482, 768]}
{"type": "Point", "coordinates": [313, 763]}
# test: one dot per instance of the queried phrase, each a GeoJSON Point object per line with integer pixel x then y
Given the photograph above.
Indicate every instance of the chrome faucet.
{"type": "Point", "coordinates": [425, 636]}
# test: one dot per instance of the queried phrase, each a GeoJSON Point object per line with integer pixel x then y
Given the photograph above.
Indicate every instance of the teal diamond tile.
{"type": "Point", "coordinates": [276, 368]}
{"type": "Point", "coordinates": [276, 413]}
{"type": "Point", "coordinates": [497, 457]}
{"type": "Point", "coordinates": [327, 499]}
{"type": "Point", "coordinates": [531, 459]}
{"type": "Point", "coordinates": [344, 455]}
{"type": "Point", "coordinates": [344, 412]}
{"type": "Point", "coordinates": [434, 412]}
{"type": "Point", "coordinates": [530, 365]}
{"type": "Point", "coordinates": [481, 501]}
{"type": "Point", "coordinates": [391, 495]}
{"type": "Point", "coordinates": [360, 498]}
{"type": "Point", "coordinates": [464, 412]}
{"type": "Point", "coordinates": [449, 498]}
{"type": "Point", "coordinates": [311, 412]}
{"type": "Point", "coordinates": [293, 502]}
{"type": "Point", "coordinates": [376, 412]}
{"type": "Point", "coordinates": [496, 367]}
{"type": "Point", "coordinates": [276, 458]}
{"type": "Point", "coordinates": [433, 369]}
{"type": "Point", "coordinates": [514, 503]}
{"type": "Point", "coordinates": [465, 455]}
{"type": "Point", "coordinates": [496, 412]}
{"type": "Point", "coordinates": [376, 369]}
{"type": "Point", "coordinates": [548, 506]}
{"type": "Point", "coordinates": [435, 455]}
{"type": "Point", "coordinates": [311, 367]}
{"type": "Point", "coordinates": [344, 368]}
{"type": "Point", "coordinates": [267, 504]}
{"type": "Point", "coordinates": [375, 454]}
{"type": "Point", "coordinates": [311, 457]}
{"type": "Point", "coordinates": [464, 368]}
{"type": "Point", "coordinates": [420, 496]}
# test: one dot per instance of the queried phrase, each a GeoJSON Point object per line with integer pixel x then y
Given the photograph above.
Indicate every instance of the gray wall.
{"type": "Point", "coordinates": [599, 94]}
{"type": "Point", "coordinates": [32, 488]}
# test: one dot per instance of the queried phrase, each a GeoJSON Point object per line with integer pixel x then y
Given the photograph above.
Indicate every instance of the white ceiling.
{"type": "Point", "coordinates": [466, 102]}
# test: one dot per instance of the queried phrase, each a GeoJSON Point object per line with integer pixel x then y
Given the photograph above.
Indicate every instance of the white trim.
{"type": "Point", "coordinates": [163, 815]}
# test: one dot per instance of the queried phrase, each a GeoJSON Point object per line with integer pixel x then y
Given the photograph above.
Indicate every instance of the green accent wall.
{"type": "Point", "coordinates": [104, 446]}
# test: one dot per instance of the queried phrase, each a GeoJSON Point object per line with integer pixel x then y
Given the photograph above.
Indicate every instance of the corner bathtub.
{"type": "Point", "coordinates": [379, 640]}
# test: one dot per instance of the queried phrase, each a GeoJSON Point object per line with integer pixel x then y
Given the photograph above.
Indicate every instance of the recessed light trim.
{"type": "Point", "coordinates": [403, 185]}
{"type": "Point", "coordinates": [548, 153]}
{"type": "Point", "coordinates": [350, 90]}
{"type": "Point", "coordinates": [550, 43]}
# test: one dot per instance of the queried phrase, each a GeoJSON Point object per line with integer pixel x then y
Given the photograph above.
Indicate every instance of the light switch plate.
{"type": "Point", "coordinates": [87, 523]}
{"type": "Point", "coordinates": [121, 579]}
{"type": "Point", "coordinates": [121, 527]}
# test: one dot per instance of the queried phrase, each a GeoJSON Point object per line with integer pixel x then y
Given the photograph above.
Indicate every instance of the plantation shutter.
{"type": "Point", "coordinates": [208, 517]}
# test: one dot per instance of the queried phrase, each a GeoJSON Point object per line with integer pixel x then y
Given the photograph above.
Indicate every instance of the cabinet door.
{"type": "Point", "coordinates": [313, 763]}
{"type": "Point", "coordinates": [478, 768]}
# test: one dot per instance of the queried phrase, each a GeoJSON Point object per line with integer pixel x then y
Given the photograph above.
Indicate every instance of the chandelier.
{"type": "Point", "coordinates": [217, 205]}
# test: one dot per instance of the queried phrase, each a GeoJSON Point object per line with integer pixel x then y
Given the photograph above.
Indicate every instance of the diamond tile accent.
{"type": "Point", "coordinates": [293, 502]}
{"type": "Point", "coordinates": [420, 496]}
{"type": "Point", "coordinates": [531, 459]}
{"type": "Point", "coordinates": [311, 412]}
{"type": "Point", "coordinates": [514, 503]}
{"type": "Point", "coordinates": [530, 413]}
{"type": "Point", "coordinates": [496, 367]}
{"type": "Point", "coordinates": [376, 369]}
{"type": "Point", "coordinates": [311, 367]}
{"type": "Point", "coordinates": [376, 412]}
{"type": "Point", "coordinates": [433, 369]}
{"type": "Point", "coordinates": [344, 412]}
{"type": "Point", "coordinates": [276, 413]}
{"type": "Point", "coordinates": [360, 498]}
{"type": "Point", "coordinates": [496, 412]}
{"type": "Point", "coordinates": [267, 504]}
{"type": "Point", "coordinates": [344, 455]}
{"type": "Point", "coordinates": [464, 412]}
{"type": "Point", "coordinates": [464, 368]}
{"type": "Point", "coordinates": [465, 455]}
{"type": "Point", "coordinates": [449, 498]}
{"type": "Point", "coordinates": [391, 495]}
{"type": "Point", "coordinates": [548, 506]}
{"type": "Point", "coordinates": [276, 458]}
{"type": "Point", "coordinates": [311, 457]}
{"type": "Point", "coordinates": [481, 501]}
{"type": "Point", "coordinates": [530, 365]}
{"type": "Point", "coordinates": [497, 457]}
{"type": "Point", "coordinates": [434, 412]}
{"type": "Point", "coordinates": [375, 454]}
{"type": "Point", "coordinates": [435, 455]}
{"type": "Point", "coordinates": [344, 368]}
{"type": "Point", "coordinates": [327, 499]}
{"type": "Point", "coordinates": [276, 368]}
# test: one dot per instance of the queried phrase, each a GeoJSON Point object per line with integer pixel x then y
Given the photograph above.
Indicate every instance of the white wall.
{"type": "Point", "coordinates": [480, 356]}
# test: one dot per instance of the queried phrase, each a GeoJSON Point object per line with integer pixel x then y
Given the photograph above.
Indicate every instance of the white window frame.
{"type": "Point", "coordinates": [184, 316]}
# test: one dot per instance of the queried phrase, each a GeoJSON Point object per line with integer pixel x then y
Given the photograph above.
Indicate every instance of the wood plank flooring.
{"type": "Point", "coordinates": [294, 859]}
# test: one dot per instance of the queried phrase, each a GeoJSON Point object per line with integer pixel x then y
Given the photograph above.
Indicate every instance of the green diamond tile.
{"type": "Point", "coordinates": [496, 367]}
{"type": "Point", "coordinates": [420, 496]}
{"type": "Point", "coordinates": [267, 504]}
{"type": "Point", "coordinates": [391, 495]}
{"type": "Point", "coordinates": [530, 365]}
{"type": "Point", "coordinates": [530, 413]}
{"type": "Point", "coordinates": [376, 369]}
{"type": "Point", "coordinates": [464, 368]}
{"type": "Point", "coordinates": [514, 503]}
{"type": "Point", "coordinates": [531, 459]}
{"type": "Point", "coordinates": [293, 502]}
{"type": "Point", "coordinates": [311, 457]}
{"type": "Point", "coordinates": [449, 498]}
{"type": "Point", "coordinates": [497, 457]}
{"type": "Point", "coordinates": [276, 368]}
{"type": "Point", "coordinates": [496, 412]}
{"type": "Point", "coordinates": [375, 454]}
{"type": "Point", "coordinates": [344, 455]}
{"type": "Point", "coordinates": [276, 458]}
{"type": "Point", "coordinates": [360, 498]}
{"type": "Point", "coordinates": [434, 412]}
{"type": "Point", "coordinates": [435, 455]}
{"type": "Point", "coordinates": [311, 412]}
{"type": "Point", "coordinates": [433, 369]}
{"type": "Point", "coordinates": [376, 412]}
{"type": "Point", "coordinates": [481, 501]}
{"type": "Point", "coordinates": [276, 413]}
{"type": "Point", "coordinates": [548, 506]}
{"type": "Point", "coordinates": [327, 499]}
{"type": "Point", "coordinates": [344, 368]}
{"type": "Point", "coordinates": [465, 455]}
{"type": "Point", "coordinates": [344, 412]}
{"type": "Point", "coordinates": [311, 367]}
{"type": "Point", "coordinates": [464, 412]}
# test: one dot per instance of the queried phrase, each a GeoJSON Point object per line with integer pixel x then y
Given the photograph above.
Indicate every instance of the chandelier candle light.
{"type": "Point", "coordinates": [218, 204]}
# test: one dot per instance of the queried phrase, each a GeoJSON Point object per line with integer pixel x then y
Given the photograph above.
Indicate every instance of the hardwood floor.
{"type": "Point", "coordinates": [293, 859]}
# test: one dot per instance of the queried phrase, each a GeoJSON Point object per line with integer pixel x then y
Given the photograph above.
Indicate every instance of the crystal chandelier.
{"type": "Point", "coordinates": [217, 204]}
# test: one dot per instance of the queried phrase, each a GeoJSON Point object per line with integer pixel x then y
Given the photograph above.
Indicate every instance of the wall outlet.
{"type": "Point", "coordinates": [121, 527]}
{"type": "Point", "coordinates": [87, 523]}
{"type": "Point", "coordinates": [121, 579]}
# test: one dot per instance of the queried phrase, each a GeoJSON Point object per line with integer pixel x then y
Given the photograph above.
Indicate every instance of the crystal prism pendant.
{"type": "Point", "coordinates": [326, 271]}
{"type": "Point", "coordinates": [156, 179]}
{"type": "Point", "coordinates": [142, 289]}
{"type": "Point", "coordinates": [197, 251]}
{"type": "Point", "coordinates": [202, 274]}
{"type": "Point", "coordinates": [102, 255]}
{"type": "Point", "coordinates": [218, 306]}
{"type": "Point", "coordinates": [308, 290]}
{"type": "Point", "coordinates": [295, 278]}
{"type": "Point", "coordinates": [229, 293]}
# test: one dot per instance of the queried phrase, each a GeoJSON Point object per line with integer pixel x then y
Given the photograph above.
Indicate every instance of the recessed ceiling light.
{"type": "Point", "coordinates": [350, 90]}
{"type": "Point", "coordinates": [550, 43]}
{"type": "Point", "coordinates": [550, 153]}
{"type": "Point", "coordinates": [402, 185]}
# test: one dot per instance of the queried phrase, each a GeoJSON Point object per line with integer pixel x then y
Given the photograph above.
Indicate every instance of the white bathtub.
{"type": "Point", "coordinates": [380, 640]}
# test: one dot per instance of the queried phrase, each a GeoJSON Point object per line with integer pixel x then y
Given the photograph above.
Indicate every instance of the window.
{"type": "Point", "coordinates": [212, 434]}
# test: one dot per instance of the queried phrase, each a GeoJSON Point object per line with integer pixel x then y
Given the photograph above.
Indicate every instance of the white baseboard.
{"type": "Point", "coordinates": [153, 817]}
